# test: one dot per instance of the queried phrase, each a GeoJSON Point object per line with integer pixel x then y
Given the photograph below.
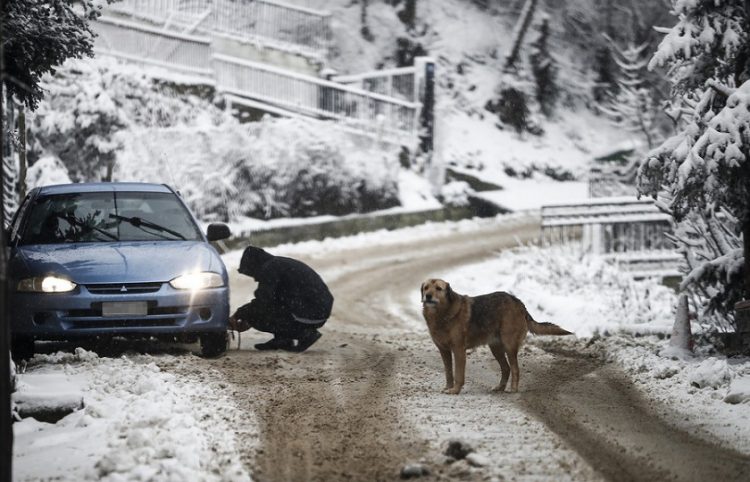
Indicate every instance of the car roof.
{"type": "Point", "coordinates": [104, 187]}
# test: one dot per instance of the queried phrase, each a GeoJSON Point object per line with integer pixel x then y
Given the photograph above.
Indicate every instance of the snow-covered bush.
{"type": "Point", "coordinates": [107, 121]}
{"type": "Point", "coordinates": [274, 168]}
{"type": "Point", "coordinates": [46, 171]}
{"type": "Point", "coordinates": [89, 102]}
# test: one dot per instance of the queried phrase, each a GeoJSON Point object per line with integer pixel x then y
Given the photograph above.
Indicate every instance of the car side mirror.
{"type": "Point", "coordinates": [218, 231]}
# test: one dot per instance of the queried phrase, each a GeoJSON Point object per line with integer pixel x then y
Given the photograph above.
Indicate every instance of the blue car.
{"type": "Point", "coordinates": [114, 259]}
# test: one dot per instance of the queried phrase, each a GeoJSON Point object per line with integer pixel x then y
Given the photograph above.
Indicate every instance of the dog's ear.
{"type": "Point", "coordinates": [449, 292]}
{"type": "Point", "coordinates": [421, 289]}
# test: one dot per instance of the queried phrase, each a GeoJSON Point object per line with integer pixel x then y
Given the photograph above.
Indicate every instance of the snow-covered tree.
{"type": "Point", "coordinates": [544, 69]}
{"type": "Point", "coordinates": [39, 35]}
{"type": "Point", "coordinates": [705, 167]}
{"type": "Point", "coordinates": [633, 107]}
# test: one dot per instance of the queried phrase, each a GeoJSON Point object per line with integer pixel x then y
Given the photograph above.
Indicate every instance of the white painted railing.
{"type": "Point", "coordinates": [357, 108]}
{"type": "Point", "coordinates": [273, 22]}
{"type": "Point", "coordinates": [399, 82]}
{"type": "Point", "coordinates": [140, 43]}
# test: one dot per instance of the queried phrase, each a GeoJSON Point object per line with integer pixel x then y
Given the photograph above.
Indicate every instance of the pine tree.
{"type": "Point", "coordinates": [632, 108]}
{"type": "Point", "coordinates": [605, 83]}
{"type": "Point", "coordinates": [705, 169]}
{"type": "Point", "coordinates": [544, 69]}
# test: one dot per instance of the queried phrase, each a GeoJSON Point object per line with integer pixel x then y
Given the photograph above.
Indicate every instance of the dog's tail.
{"type": "Point", "coordinates": [544, 328]}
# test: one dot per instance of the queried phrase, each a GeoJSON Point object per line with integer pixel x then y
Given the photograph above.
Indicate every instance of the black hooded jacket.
{"type": "Point", "coordinates": [285, 285]}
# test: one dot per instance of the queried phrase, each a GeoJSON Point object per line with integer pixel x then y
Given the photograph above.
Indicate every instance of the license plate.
{"type": "Point", "coordinates": [125, 308]}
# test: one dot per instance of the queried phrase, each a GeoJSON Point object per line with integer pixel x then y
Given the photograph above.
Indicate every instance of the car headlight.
{"type": "Point", "coordinates": [46, 284]}
{"type": "Point", "coordinates": [197, 281]}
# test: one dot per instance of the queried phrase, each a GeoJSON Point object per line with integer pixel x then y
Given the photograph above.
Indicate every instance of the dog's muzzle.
{"type": "Point", "coordinates": [426, 302]}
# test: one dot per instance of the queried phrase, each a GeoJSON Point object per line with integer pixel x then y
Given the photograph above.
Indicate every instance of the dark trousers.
{"type": "Point", "coordinates": [282, 325]}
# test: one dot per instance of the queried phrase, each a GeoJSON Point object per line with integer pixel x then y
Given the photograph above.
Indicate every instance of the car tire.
{"type": "Point", "coordinates": [213, 344]}
{"type": "Point", "coordinates": [22, 348]}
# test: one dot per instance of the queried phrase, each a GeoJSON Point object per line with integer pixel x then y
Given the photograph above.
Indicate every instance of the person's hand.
{"type": "Point", "coordinates": [234, 323]}
{"type": "Point", "coordinates": [237, 324]}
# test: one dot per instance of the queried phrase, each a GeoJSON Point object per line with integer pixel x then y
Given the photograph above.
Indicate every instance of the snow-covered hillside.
{"type": "Point", "coordinates": [469, 42]}
{"type": "Point", "coordinates": [117, 121]}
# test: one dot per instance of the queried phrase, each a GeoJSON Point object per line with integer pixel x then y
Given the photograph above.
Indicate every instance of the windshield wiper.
{"type": "Point", "coordinates": [73, 220]}
{"type": "Point", "coordinates": [142, 224]}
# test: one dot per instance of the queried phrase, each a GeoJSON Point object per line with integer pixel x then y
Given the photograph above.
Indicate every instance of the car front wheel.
{"type": "Point", "coordinates": [213, 344]}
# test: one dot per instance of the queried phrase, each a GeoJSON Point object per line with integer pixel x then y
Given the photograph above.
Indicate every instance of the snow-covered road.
{"type": "Point", "coordinates": [366, 399]}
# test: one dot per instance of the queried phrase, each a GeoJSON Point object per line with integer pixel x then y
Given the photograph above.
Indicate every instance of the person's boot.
{"type": "Point", "coordinates": [306, 340]}
{"type": "Point", "coordinates": [276, 343]}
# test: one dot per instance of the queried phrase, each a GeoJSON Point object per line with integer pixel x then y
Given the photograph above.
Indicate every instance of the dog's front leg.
{"type": "Point", "coordinates": [458, 383]}
{"type": "Point", "coordinates": [448, 366]}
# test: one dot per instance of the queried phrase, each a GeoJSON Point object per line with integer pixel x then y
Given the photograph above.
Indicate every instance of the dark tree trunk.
{"type": "Point", "coordinates": [21, 153]}
{"type": "Point", "coordinates": [519, 33]}
{"type": "Point", "coordinates": [746, 253]}
{"type": "Point", "coordinates": [6, 428]}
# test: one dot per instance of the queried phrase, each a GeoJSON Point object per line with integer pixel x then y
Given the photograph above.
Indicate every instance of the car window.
{"type": "Point", "coordinates": [108, 216]}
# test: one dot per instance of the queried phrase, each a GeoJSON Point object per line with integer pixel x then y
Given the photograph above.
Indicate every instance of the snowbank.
{"type": "Point", "coordinates": [138, 423]}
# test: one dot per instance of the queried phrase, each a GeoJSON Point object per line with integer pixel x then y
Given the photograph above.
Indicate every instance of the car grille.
{"type": "Point", "coordinates": [123, 288]}
{"type": "Point", "coordinates": [123, 323]}
{"type": "Point", "coordinates": [96, 311]}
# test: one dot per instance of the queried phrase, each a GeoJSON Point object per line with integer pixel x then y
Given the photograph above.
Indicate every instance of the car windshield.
{"type": "Point", "coordinates": [108, 216]}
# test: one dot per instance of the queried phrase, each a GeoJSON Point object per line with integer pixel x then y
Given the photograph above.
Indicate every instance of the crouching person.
{"type": "Point", "coordinates": [291, 301]}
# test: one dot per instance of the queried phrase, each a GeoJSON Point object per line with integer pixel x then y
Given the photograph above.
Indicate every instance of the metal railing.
{"type": "Point", "coordinates": [140, 43]}
{"type": "Point", "coordinates": [271, 22]}
{"type": "Point", "coordinates": [396, 119]}
{"type": "Point", "coordinates": [399, 82]}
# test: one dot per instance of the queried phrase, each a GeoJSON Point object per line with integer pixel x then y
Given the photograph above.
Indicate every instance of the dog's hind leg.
{"type": "Point", "coordinates": [499, 353]}
{"type": "Point", "coordinates": [514, 370]}
{"type": "Point", "coordinates": [459, 376]}
{"type": "Point", "coordinates": [448, 365]}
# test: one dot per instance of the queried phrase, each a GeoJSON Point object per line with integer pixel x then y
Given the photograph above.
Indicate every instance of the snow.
{"type": "Point", "coordinates": [533, 194]}
{"type": "Point", "coordinates": [138, 423]}
{"type": "Point", "coordinates": [739, 391]}
{"type": "Point", "coordinates": [47, 392]}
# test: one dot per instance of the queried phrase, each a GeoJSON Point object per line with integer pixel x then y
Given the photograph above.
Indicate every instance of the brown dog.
{"type": "Point", "coordinates": [458, 323]}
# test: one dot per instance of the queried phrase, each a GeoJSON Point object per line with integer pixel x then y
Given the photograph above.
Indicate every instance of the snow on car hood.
{"type": "Point", "coordinates": [123, 262]}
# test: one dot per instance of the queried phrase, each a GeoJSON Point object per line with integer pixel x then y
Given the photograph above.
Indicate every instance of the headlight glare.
{"type": "Point", "coordinates": [46, 284]}
{"type": "Point", "coordinates": [197, 281]}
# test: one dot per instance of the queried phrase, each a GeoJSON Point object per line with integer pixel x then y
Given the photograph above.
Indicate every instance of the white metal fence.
{"type": "Point", "coordinates": [140, 43]}
{"type": "Point", "coordinates": [396, 119]}
{"type": "Point", "coordinates": [630, 231]}
{"type": "Point", "coordinates": [273, 22]}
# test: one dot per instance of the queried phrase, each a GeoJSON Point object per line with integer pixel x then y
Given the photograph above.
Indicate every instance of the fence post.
{"type": "Point", "coordinates": [424, 90]}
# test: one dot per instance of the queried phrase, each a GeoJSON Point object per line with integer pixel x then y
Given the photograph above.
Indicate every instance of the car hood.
{"type": "Point", "coordinates": [125, 262]}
